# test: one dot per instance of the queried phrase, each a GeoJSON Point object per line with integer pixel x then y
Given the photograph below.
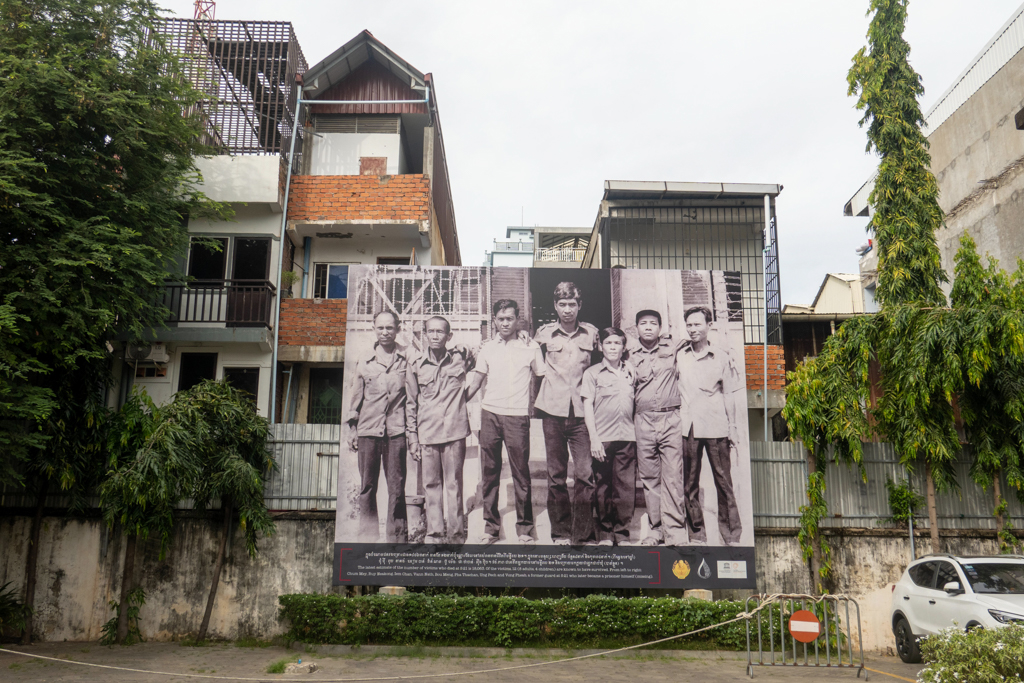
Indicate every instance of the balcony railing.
{"type": "Point", "coordinates": [513, 246]}
{"type": "Point", "coordinates": [232, 303]}
{"type": "Point", "coordinates": [560, 254]}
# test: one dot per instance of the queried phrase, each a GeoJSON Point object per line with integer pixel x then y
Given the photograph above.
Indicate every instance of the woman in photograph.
{"type": "Point", "coordinates": [607, 394]}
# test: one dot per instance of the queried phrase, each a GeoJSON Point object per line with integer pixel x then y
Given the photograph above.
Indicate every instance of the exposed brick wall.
{"type": "Point", "coordinates": [354, 197]}
{"type": "Point", "coordinates": [313, 322]}
{"type": "Point", "coordinates": [755, 367]}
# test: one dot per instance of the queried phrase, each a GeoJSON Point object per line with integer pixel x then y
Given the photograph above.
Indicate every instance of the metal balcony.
{"type": "Point", "coordinates": [526, 247]}
{"type": "Point", "coordinates": [231, 303]}
{"type": "Point", "coordinates": [560, 254]}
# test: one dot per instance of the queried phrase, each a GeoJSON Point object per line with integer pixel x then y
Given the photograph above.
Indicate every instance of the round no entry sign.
{"type": "Point", "coordinates": [804, 626]}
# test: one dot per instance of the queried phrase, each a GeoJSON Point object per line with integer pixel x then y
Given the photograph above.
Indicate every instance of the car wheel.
{"type": "Point", "coordinates": [974, 626]}
{"type": "Point", "coordinates": [906, 643]}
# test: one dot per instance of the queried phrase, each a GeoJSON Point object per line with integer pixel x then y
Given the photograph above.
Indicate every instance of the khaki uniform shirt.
{"type": "Point", "coordinates": [566, 356]}
{"type": "Point", "coordinates": [705, 379]}
{"type": "Point", "coordinates": [509, 368]}
{"type": "Point", "coordinates": [611, 391]}
{"type": "Point", "coordinates": [377, 406]}
{"type": "Point", "coordinates": [435, 411]}
{"type": "Point", "coordinates": [657, 378]}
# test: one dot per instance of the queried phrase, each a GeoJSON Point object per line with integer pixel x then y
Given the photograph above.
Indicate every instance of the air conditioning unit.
{"type": "Point", "coordinates": [147, 354]}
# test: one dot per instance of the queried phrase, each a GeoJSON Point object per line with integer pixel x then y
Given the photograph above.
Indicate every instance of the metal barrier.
{"type": "Point", "coordinates": [833, 632]}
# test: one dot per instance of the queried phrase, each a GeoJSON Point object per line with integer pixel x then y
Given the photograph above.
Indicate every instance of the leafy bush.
{"type": "Point", "coordinates": [136, 599]}
{"type": "Point", "coordinates": [594, 621]}
{"type": "Point", "coordinates": [979, 655]}
{"type": "Point", "coordinates": [12, 611]}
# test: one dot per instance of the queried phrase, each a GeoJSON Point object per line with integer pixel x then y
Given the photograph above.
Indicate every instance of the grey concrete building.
{"type": "Point", "coordinates": [976, 133]}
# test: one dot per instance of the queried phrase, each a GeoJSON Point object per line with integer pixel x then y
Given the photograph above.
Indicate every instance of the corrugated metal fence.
{"type": "Point", "coordinates": [779, 473]}
{"type": "Point", "coordinates": [307, 467]}
{"type": "Point", "coordinates": [307, 479]}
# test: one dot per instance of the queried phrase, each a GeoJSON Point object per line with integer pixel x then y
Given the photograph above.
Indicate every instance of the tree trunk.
{"type": "Point", "coordinates": [126, 582]}
{"type": "Point", "coordinates": [32, 561]}
{"type": "Point", "coordinates": [812, 467]}
{"type": "Point", "coordinates": [933, 516]}
{"type": "Point", "coordinates": [216, 572]}
{"type": "Point", "coordinates": [999, 499]}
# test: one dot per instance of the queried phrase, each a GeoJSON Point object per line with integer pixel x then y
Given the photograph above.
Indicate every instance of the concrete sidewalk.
{"type": "Point", "coordinates": [230, 663]}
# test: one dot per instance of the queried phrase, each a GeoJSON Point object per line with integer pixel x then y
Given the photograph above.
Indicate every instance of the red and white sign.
{"type": "Point", "coordinates": [804, 626]}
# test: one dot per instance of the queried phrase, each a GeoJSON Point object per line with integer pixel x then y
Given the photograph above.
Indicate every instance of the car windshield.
{"type": "Point", "coordinates": [992, 577]}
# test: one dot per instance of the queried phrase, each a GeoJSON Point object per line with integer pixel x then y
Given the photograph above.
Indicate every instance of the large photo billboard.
{"type": "Point", "coordinates": [544, 427]}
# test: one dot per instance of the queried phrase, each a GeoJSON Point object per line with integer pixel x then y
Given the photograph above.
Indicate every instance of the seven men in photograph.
{"type": "Point", "coordinates": [625, 409]}
{"type": "Point", "coordinates": [509, 365]}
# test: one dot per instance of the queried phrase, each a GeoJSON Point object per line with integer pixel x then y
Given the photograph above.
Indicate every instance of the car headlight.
{"type": "Point", "coordinates": [1006, 617]}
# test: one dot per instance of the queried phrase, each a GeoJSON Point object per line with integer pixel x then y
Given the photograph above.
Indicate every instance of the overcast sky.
{"type": "Point", "coordinates": [541, 102]}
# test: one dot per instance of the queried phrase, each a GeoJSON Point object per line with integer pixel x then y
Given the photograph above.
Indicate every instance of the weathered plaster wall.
{"type": "Point", "coordinates": [866, 564]}
{"type": "Point", "coordinates": [80, 573]}
{"type": "Point", "coordinates": [77, 579]}
{"type": "Point", "coordinates": [978, 161]}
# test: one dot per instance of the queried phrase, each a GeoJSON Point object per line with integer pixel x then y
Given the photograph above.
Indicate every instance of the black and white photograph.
{"type": "Point", "coordinates": [548, 410]}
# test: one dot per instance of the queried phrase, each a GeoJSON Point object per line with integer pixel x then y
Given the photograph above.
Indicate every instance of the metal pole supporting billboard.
{"type": "Point", "coordinates": [764, 283]}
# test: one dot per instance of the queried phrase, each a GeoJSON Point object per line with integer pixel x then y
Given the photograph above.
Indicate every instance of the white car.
{"type": "Point", "coordinates": [940, 591]}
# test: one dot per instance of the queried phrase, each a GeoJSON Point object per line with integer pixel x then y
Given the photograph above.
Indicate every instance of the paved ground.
{"type": "Point", "coordinates": [231, 663]}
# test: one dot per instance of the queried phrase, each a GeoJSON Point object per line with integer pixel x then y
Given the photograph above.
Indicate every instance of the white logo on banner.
{"type": "Point", "coordinates": [732, 570]}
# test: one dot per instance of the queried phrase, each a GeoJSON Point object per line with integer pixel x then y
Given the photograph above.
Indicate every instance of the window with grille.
{"type": "Point", "coordinates": [325, 396]}
{"type": "Point", "coordinates": [352, 123]}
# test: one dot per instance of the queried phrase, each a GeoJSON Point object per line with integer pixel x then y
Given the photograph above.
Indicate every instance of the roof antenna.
{"type": "Point", "coordinates": [205, 10]}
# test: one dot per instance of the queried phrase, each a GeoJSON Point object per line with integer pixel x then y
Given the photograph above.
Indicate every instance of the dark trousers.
{"type": "Point", "coordinates": [373, 451]}
{"type": "Point", "coordinates": [728, 513]}
{"type": "Point", "coordinates": [514, 431]}
{"type": "Point", "coordinates": [615, 486]}
{"type": "Point", "coordinates": [573, 522]}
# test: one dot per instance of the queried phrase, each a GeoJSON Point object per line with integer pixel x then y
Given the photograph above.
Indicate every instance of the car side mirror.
{"type": "Point", "coordinates": [953, 588]}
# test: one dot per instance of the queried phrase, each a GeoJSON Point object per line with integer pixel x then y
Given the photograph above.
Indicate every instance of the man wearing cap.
{"type": "Point", "coordinates": [569, 347]}
{"type": "Point", "coordinates": [659, 439]}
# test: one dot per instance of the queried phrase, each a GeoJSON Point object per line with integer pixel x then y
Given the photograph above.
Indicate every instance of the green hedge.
{"type": "Point", "coordinates": [438, 620]}
{"type": "Point", "coordinates": [978, 656]}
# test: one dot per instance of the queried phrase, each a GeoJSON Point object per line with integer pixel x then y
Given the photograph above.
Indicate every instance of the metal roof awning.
{"type": "Point", "coordinates": [644, 189]}
{"type": "Point", "coordinates": [337, 66]}
{"type": "Point", "coordinates": [858, 203]}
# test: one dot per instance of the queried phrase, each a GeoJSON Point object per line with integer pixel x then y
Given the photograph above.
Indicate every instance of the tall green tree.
{"type": "Point", "coordinates": [96, 178]}
{"type": "Point", "coordinates": [931, 357]}
{"type": "Point", "coordinates": [991, 401]}
{"type": "Point", "coordinates": [234, 458]}
{"type": "Point", "coordinates": [914, 411]}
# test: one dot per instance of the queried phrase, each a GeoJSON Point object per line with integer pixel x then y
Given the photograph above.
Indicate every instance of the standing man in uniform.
{"type": "Point", "coordinates": [509, 365]}
{"type": "Point", "coordinates": [376, 426]}
{"type": "Point", "coordinates": [569, 348]}
{"type": "Point", "coordinates": [708, 382]}
{"type": "Point", "coordinates": [438, 424]}
{"type": "Point", "coordinates": [659, 438]}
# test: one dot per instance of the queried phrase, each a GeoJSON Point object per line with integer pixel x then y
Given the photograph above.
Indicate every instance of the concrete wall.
{"type": "Point", "coordinates": [80, 573]}
{"type": "Point", "coordinates": [978, 160]}
{"type": "Point", "coordinates": [77, 578]}
{"type": "Point", "coordinates": [250, 179]}
{"type": "Point", "coordinates": [339, 153]}
{"type": "Point", "coordinates": [229, 355]}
